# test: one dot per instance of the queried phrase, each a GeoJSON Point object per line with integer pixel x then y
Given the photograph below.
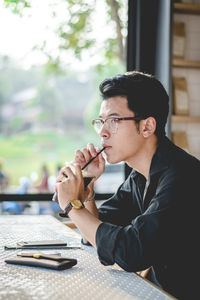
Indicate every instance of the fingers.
{"type": "Point", "coordinates": [60, 178]}
{"type": "Point", "coordinates": [87, 154]}
{"type": "Point", "coordinates": [79, 157]}
{"type": "Point", "coordinates": [93, 151]}
{"type": "Point", "coordinates": [71, 170]}
{"type": "Point", "coordinates": [70, 173]}
{"type": "Point", "coordinates": [82, 156]}
{"type": "Point", "coordinates": [101, 159]}
{"type": "Point", "coordinates": [100, 156]}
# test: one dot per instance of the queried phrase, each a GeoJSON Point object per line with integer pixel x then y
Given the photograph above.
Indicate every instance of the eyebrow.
{"type": "Point", "coordinates": [110, 115]}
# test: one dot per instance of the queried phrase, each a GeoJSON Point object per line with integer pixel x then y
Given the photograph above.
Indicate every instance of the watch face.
{"type": "Point", "coordinates": [76, 204]}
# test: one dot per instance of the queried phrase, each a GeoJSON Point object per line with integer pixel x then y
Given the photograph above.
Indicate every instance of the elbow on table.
{"type": "Point", "coordinates": [131, 266]}
{"type": "Point", "coordinates": [127, 265]}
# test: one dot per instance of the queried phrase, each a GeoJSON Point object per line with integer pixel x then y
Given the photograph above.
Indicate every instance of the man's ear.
{"type": "Point", "coordinates": [149, 127]}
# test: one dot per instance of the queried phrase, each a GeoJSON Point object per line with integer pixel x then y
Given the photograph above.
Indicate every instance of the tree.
{"type": "Point", "coordinates": [74, 31]}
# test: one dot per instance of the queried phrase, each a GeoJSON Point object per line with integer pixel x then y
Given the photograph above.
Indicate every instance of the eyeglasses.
{"type": "Point", "coordinates": [111, 122]}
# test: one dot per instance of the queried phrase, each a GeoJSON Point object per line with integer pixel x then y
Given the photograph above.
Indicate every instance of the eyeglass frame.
{"type": "Point", "coordinates": [117, 118]}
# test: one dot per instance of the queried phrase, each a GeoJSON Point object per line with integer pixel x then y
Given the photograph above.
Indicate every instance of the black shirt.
{"type": "Point", "coordinates": [158, 228]}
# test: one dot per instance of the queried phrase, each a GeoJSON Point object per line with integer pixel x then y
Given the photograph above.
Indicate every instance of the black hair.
{"type": "Point", "coordinates": [145, 94]}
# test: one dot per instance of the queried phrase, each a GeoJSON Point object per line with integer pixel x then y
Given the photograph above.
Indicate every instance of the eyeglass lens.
{"type": "Point", "coordinates": [111, 124]}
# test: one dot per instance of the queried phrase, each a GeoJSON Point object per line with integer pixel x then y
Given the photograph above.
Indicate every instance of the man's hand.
{"type": "Point", "coordinates": [70, 185]}
{"type": "Point", "coordinates": [97, 166]}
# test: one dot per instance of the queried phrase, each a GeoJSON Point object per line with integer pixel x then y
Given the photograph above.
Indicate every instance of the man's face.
{"type": "Point", "coordinates": [126, 142]}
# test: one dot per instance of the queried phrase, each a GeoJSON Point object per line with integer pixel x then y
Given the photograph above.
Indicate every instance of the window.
{"type": "Point", "coordinates": [52, 59]}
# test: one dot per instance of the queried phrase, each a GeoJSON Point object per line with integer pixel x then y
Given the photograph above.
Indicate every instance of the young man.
{"type": "Point", "coordinates": [150, 221]}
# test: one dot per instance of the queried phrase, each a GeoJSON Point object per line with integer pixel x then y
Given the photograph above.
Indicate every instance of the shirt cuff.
{"type": "Point", "coordinates": [106, 237]}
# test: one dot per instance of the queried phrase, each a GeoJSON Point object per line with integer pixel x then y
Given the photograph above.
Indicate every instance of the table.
{"type": "Point", "coordinates": [88, 280]}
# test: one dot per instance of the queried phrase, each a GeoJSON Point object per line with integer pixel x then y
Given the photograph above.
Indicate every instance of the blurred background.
{"type": "Point", "coordinates": [53, 56]}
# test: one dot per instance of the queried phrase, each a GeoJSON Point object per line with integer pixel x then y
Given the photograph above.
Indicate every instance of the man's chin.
{"type": "Point", "coordinates": [112, 160]}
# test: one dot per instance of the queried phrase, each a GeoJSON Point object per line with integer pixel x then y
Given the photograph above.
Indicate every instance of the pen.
{"type": "Point", "coordinates": [55, 196]}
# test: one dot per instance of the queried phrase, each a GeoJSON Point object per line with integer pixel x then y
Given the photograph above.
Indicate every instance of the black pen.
{"type": "Point", "coordinates": [55, 196]}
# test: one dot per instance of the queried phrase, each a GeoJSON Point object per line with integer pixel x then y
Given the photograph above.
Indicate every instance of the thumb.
{"type": "Point", "coordinates": [101, 159]}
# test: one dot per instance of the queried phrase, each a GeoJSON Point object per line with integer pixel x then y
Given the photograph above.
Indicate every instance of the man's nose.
{"type": "Point", "coordinates": [104, 132]}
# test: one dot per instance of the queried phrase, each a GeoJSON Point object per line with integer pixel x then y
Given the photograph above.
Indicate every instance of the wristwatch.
{"type": "Point", "coordinates": [76, 204]}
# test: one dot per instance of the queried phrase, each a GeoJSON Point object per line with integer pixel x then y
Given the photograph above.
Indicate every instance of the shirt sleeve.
{"type": "Point", "coordinates": [122, 207]}
{"type": "Point", "coordinates": [145, 239]}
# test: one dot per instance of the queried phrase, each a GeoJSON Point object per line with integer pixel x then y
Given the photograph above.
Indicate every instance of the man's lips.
{"type": "Point", "coordinates": [107, 147]}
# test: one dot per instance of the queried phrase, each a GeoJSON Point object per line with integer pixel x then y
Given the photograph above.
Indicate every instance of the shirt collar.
{"type": "Point", "coordinates": [161, 157]}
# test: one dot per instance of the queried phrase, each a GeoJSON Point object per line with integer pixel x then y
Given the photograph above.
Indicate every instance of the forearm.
{"type": "Point", "coordinates": [92, 208]}
{"type": "Point", "coordinates": [89, 202]}
{"type": "Point", "coordinates": [86, 222]}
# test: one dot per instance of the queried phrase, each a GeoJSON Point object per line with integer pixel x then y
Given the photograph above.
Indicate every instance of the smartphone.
{"type": "Point", "coordinates": [43, 263]}
{"type": "Point", "coordinates": [42, 243]}
{"type": "Point", "coordinates": [87, 180]}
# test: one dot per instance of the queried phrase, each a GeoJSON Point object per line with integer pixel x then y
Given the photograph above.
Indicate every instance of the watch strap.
{"type": "Point", "coordinates": [67, 209]}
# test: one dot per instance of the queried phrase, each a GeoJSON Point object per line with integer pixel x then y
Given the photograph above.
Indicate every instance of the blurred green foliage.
{"type": "Point", "coordinates": [27, 152]}
{"type": "Point", "coordinates": [58, 94]}
{"type": "Point", "coordinates": [74, 32]}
